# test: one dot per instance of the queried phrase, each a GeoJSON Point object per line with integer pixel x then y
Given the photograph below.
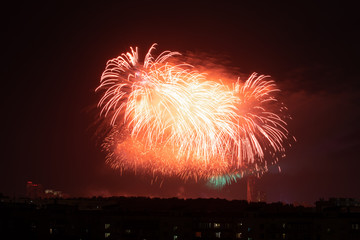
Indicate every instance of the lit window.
{"type": "Point", "coordinates": [107, 235]}
{"type": "Point", "coordinates": [283, 225]}
{"type": "Point", "coordinates": [283, 236]}
{"type": "Point", "coordinates": [175, 237]}
{"type": "Point", "coordinates": [216, 225]}
{"type": "Point", "coordinates": [238, 235]}
{"type": "Point", "coordinates": [198, 234]}
{"type": "Point", "coordinates": [107, 225]}
{"type": "Point", "coordinates": [239, 224]}
{"type": "Point", "coordinates": [51, 230]}
{"type": "Point", "coordinates": [127, 231]}
{"type": "Point", "coordinates": [218, 234]}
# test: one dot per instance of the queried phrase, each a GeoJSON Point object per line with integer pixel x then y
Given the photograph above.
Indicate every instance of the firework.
{"type": "Point", "coordinates": [220, 181]}
{"type": "Point", "coordinates": [169, 119]}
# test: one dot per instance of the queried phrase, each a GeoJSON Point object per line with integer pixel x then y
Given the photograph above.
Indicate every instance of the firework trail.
{"type": "Point", "coordinates": [169, 119]}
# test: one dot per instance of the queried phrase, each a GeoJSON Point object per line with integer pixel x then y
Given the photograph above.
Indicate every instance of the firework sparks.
{"type": "Point", "coordinates": [169, 119]}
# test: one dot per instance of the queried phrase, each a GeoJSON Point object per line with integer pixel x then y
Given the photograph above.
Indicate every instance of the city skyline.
{"type": "Point", "coordinates": [55, 54]}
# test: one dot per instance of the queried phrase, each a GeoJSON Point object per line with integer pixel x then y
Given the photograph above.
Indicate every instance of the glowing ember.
{"type": "Point", "coordinates": [169, 119]}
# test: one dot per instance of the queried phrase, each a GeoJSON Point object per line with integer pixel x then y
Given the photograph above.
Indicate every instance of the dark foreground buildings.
{"type": "Point", "coordinates": [175, 219]}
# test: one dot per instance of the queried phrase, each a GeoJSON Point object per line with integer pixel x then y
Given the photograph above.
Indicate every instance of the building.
{"type": "Point", "coordinates": [34, 190]}
{"type": "Point", "coordinates": [50, 193]}
{"type": "Point", "coordinates": [172, 219]}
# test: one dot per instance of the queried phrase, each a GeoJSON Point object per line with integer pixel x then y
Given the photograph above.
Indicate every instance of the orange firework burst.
{"type": "Point", "coordinates": [170, 119]}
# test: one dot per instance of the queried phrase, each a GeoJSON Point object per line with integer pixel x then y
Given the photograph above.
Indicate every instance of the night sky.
{"type": "Point", "coordinates": [53, 55]}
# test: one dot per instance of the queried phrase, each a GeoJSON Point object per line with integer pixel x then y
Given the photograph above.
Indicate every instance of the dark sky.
{"type": "Point", "coordinates": [53, 56]}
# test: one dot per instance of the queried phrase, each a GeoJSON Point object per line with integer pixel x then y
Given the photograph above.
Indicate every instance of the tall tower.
{"type": "Point", "coordinates": [253, 194]}
{"type": "Point", "coordinates": [250, 189]}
